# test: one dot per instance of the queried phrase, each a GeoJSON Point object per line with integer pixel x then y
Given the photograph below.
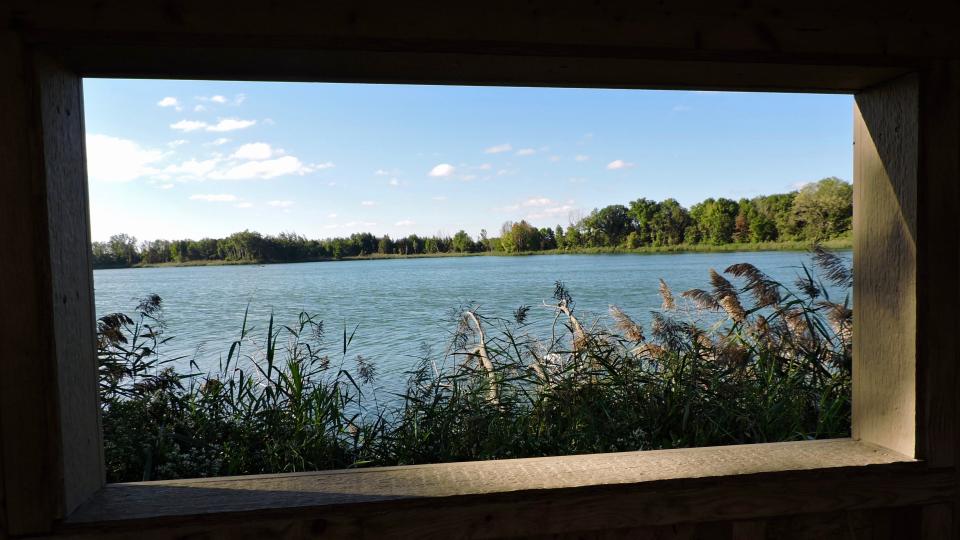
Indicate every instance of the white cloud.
{"type": "Point", "coordinates": [218, 99]}
{"type": "Point", "coordinates": [176, 143]}
{"type": "Point", "coordinates": [581, 157]}
{"type": "Point", "coordinates": [618, 164]}
{"type": "Point", "coordinates": [220, 197]}
{"type": "Point", "coordinates": [332, 216]}
{"type": "Point", "coordinates": [188, 125]}
{"type": "Point", "coordinates": [166, 186]}
{"type": "Point", "coordinates": [553, 211]}
{"type": "Point", "coordinates": [267, 168]}
{"type": "Point", "coordinates": [244, 205]}
{"type": "Point", "coordinates": [111, 159]}
{"type": "Point", "coordinates": [498, 149]}
{"type": "Point", "coordinates": [199, 108]}
{"type": "Point", "coordinates": [394, 182]}
{"type": "Point", "coordinates": [368, 203]}
{"type": "Point", "coordinates": [253, 151]}
{"type": "Point", "coordinates": [230, 124]}
{"type": "Point", "coordinates": [280, 204]}
{"type": "Point", "coordinates": [405, 223]}
{"type": "Point", "coordinates": [443, 169]}
{"type": "Point", "coordinates": [537, 201]}
{"type": "Point", "coordinates": [526, 152]}
{"type": "Point", "coordinates": [321, 166]}
{"type": "Point", "coordinates": [220, 141]}
{"type": "Point", "coordinates": [485, 167]}
{"type": "Point", "coordinates": [239, 98]}
{"type": "Point", "coordinates": [381, 172]}
{"type": "Point", "coordinates": [554, 158]}
{"type": "Point", "coordinates": [169, 101]}
{"type": "Point", "coordinates": [192, 168]}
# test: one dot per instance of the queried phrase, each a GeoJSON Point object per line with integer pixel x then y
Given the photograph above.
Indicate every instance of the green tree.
{"type": "Point", "coordinates": [462, 243]}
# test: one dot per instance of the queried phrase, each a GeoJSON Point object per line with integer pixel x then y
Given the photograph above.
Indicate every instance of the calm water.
{"type": "Point", "coordinates": [402, 303]}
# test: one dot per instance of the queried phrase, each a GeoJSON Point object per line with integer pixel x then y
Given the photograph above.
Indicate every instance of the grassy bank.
{"type": "Point", "coordinates": [832, 244]}
{"type": "Point", "coordinates": [293, 398]}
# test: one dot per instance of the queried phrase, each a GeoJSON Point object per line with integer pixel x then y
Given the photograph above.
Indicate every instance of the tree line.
{"type": "Point", "coordinates": [817, 211]}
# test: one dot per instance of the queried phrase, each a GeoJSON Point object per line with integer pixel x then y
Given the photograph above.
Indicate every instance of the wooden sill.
{"type": "Point", "coordinates": [524, 496]}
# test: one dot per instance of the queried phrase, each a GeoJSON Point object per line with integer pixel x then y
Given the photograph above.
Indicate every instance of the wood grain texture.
{"type": "Point", "coordinates": [71, 282]}
{"type": "Point", "coordinates": [28, 413]}
{"type": "Point", "coordinates": [557, 511]}
{"type": "Point", "coordinates": [243, 493]}
{"type": "Point", "coordinates": [762, 29]}
{"type": "Point", "coordinates": [885, 263]}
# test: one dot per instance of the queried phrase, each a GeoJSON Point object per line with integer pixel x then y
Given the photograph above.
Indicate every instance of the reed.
{"type": "Point", "coordinates": [744, 360]}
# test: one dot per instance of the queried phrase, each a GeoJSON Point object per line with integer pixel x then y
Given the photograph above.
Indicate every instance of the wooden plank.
{"type": "Point", "coordinates": [71, 282]}
{"type": "Point", "coordinates": [939, 280]}
{"type": "Point", "coordinates": [28, 414]}
{"type": "Point", "coordinates": [885, 260]}
{"type": "Point", "coordinates": [541, 511]}
{"type": "Point", "coordinates": [938, 266]}
{"type": "Point", "coordinates": [760, 29]}
{"type": "Point", "coordinates": [48, 394]}
{"type": "Point", "coordinates": [621, 472]}
{"type": "Point", "coordinates": [434, 67]}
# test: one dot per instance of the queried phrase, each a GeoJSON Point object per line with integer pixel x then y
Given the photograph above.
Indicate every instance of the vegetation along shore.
{"type": "Point", "coordinates": [818, 212]}
{"type": "Point", "coordinates": [744, 359]}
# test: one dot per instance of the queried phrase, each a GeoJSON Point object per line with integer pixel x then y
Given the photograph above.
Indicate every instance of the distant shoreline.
{"type": "Point", "coordinates": [834, 244]}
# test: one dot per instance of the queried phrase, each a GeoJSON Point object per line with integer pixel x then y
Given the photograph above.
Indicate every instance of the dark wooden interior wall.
{"type": "Point", "coordinates": [748, 44]}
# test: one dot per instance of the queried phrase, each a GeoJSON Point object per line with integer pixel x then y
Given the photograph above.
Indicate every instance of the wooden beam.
{"type": "Point", "coordinates": [48, 411]}
{"type": "Point", "coordinates": [765, 28]}
{"type": "Point", "coordinates": [885, 263]}
{"type": "Point", "coordinates": [522, 497]}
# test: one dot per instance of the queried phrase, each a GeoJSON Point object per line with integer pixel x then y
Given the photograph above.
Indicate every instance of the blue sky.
{"type": "Point", "coordinates": [189, 159]}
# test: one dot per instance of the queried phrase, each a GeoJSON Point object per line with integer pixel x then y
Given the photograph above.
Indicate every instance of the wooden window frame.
{"type": "Point", "coordinates": [903, 450]}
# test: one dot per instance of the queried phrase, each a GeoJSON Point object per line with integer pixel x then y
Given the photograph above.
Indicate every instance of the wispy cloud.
{"type": "Point", "coordinates": [230, 124]}
{"type": "Point", "coordinates": [439, 197]}
{"type": "Point", "coordinates": [244, 205]}
{"type": "Point", "coordinates": [525, 152]}
{"type": "Point", "coordinates": [280, 204]}
{"type": "Point", "coordinates": [394, 182]}
{"type": "Point", "coordinates": [265, 169]}
{"type": "Point", "coordinates": [405, 223]}
{"type": "Point", "coordinates": [499, 148]}
{"type": "Point", "coordinates": [368, 203]}
{"type": "Point", "coordinates": [214, 197]}
{"type": "Point", "coordinates": [581, 157]}
{"type": "Point", "coordinates": [166, 186]}
{"type": "Point", "coordinates": [254, 151]}
{"type": "Point", "coordinates": [442, 170]}
{"type": "Point", "coordinates": [618, 164]}
{"type": "Point", "coordinates": [111, 159]}
{"type": "Point", "coordinates": [170, 101]}
{"type": "Point", "coordinates": [188, 125]}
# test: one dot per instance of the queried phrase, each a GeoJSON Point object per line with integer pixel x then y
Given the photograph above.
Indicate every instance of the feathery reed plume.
{"type": "Point", "coordinates": [520, 314]}
{"type": "Point", "coordinates": [631, 330]}
{"type": "Point", "coordinates": [726, 296]}
{"type": "Point", "coordinates": [807, 286]}
{"type": "Point", "coordinates": [765, 291]}
{"type": "Point", "coordinates": [667, 295]}
{"type": "Point", "coordinates": [837, 271]}
{"type": "Point", "coordinates": [840, 318]}
{"type": "Point", "coordinates": [482, 354]}
{"type": "Point", "coordinates": [366, 369]}
{"type": "Point", "coordinates": [701, 298]}
{"type": "Point", "coordinates": [565, 305]}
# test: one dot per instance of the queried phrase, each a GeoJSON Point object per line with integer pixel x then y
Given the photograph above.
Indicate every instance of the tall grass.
{"type": "Point", "coordinates": [746, 359]}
